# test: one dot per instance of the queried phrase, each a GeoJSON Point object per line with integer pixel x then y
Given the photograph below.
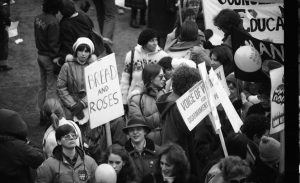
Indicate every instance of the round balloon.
{"type": "Point", "coordinates": [247, 59]}
{"type": "Point", "coordinates": [105, 173]}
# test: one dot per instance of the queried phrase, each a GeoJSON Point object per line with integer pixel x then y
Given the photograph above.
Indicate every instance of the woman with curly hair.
{"type": "Point", "coordinates": [222, 55]}
{"type": "Point", "coordinates": [119, 159]}
{"type": "Point", "coordinates": [174, 167]}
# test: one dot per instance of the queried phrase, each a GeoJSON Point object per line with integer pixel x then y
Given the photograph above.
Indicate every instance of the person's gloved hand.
{"type": "Point", "coordinates": [80, 115]}
{"type": "Point", "coordinates": [76, 109]}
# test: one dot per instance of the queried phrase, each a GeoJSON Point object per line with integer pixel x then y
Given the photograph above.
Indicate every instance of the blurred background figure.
{"type": "Point", "coordinates": [4, 25]}
{"type": "Point", "coordinates": [105, 173]}
{"type": "Point", "coordinates": [18, 156]}
{"type": "Point", "coordinates": [135, 5]}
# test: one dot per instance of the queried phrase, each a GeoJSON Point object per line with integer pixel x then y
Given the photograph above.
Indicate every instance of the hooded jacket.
{"type": "Point", "coordinates": [71, 82]}
{"type": "Point", "coordinates": [17, 155]}
{"type": "Point", "coordinates": [57, 168]}
{"type": "Point", "coordinates": [141, 57]}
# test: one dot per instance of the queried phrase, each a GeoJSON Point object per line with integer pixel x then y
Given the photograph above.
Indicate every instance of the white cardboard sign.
{"type": "Point", "coordinates": [193, 105]}
{"type": "Point", "coordinates": [103, 91]}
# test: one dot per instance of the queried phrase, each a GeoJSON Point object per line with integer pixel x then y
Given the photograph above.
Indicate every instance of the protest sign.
{"type": "Point", "coordinates": [270, 53]}
{"type": "Point", "coordinates": [230, 111]}
{"type": "Point", "coordinates": [261, 20]}
{"type": "Point", "coordinates": [193, 105]}
{"type": "Point", "coordinates": [221, 76]}
{"type": "Point", "coordinates": [103, 91]}
{"type": "Point", "coordinates": [277, 100]}
{"type": "Point", "coordinates": [13, 29]}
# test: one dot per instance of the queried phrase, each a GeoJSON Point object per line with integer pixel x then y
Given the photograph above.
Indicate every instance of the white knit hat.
{"type": "Point", "coordinates": [84, 40]}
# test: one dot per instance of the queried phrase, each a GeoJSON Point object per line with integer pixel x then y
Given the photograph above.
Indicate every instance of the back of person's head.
{"type": "Point", "coordinates": [63, 130]}
{"type": "Point", "coordinates": [67, 8]}
{"type": "Point", "coordinates": [226, 19]}
{"type": "Point", "coordinates": [149, 72]}
{"type": "Point", "coordinates": [223, 54]}
{"type": "Point", "coordinates": [189, 31]}
{"type": "Point", "coordinates": [51, 6]}
{"type": "Point", "coordinates": [105, 173]}
{"type": "Point", "coordinates": [12, 124]}
{"type": "Point", "coordinates": [236, 144]}
{"type": "Point", "coordinates": [189, 14]}
{"type": "Point", "coordinates": [53, 111]}
{"type": "Point", "coordinates": [166, 63]}
{"type": "Point", "coordinates": [234, 168]}
{"type": "Point", "coordinates": [269, 151]}
{"type": "Point", "coordinates": [176, 156]}
{"type": "Point", "coordinates": [184, 78]}
{"type": "Point", "coordinates": [255, 125]}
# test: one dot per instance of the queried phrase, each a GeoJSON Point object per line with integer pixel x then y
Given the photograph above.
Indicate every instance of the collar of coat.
{"type": "Point", "coordinates": [58, 154]}
{"type": "Point", "coordinates": [150, 147]}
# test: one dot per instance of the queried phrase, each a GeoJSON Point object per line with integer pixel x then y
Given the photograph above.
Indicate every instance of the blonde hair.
{"type": "Point", "coordinates": [53, 111]}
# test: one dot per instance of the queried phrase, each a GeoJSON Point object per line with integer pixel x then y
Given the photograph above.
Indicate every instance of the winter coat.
{"type": "Point", "coordinates": [262, 173]}
{"type": "Point", "coordinates": [57, 168]}
{"type": "Point", "coordinates": [182, 49]}
{"type": "Point", "coordinates": [146, 162]}
{"type": "Point", "coordinates": [174, 128]}
{"type": "Point", "coordinates": [71, 29]}
{"type": "Point", "coordinates": [17, 158]}
{"type": "Point", "coordinates": [142, 104]}
{"type": "Point", "coordinates": [46, 33]}
{"type": "Point", "coordinates": [141, 4]}
{"type": "Point", "coordinates": [17, 155]}
{"type": "Point", "coordinates": [162, 16]}
{"type": "Point", "coordinates": [159, 179]}
{"type": "Point", "coordinates": [71, 82]}
{"type": "Point", "coordinates": [49, 139]}
{"type": "Point", "coordinates": [141, 57]}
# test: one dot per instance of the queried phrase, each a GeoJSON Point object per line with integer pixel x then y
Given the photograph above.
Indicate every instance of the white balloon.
{"type": "Point", "coordinates": [105, 173]}
{"type": "Point", "coordinates": [247, 59]}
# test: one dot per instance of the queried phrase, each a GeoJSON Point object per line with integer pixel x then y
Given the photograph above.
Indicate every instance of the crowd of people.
{"type": "Point", "coordinates": [151, 142]}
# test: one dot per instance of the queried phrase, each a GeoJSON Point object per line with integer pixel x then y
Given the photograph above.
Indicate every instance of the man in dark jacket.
{"type": "Point", "coordinates": [162, 18]}
{"type": "Point", "coordinates": [174, 128]}
{"type": "Point", "coordinates": [17, 154]}
{"type": "Point", "coordinates": [46, 33]}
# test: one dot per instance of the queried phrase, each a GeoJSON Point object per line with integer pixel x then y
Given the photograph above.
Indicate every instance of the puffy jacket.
{"type": "Point", "coordinates": [57, 169]}
{"type": "Point", "coordinates": [70, 82]}
{"type": "Point", "coordinates": [142, 105]}
{"type": "Point", "coordinates": [146, 161]}
{"type": "Point", "coordinates": [141, 57]}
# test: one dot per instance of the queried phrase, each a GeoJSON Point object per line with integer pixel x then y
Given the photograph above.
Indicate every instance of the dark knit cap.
{"type": "Point", "coordinates": [63, 130]}
{"type": "Point", "coordinates": [145, 36]}
{"type": "Point", "coordinates": [12, 124]}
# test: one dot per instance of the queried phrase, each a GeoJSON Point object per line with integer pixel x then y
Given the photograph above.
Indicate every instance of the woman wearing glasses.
{"type": "Point", "coordinates": [69, 163]}
{"type": "Point", "coordinates": [142, 101]}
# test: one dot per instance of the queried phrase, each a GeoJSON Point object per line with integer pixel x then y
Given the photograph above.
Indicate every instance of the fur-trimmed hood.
{"type": "Point", "coordinates": [71, 58]}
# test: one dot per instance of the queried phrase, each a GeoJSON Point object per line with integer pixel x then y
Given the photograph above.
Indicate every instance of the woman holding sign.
{"type": "Point", "coordinates": [71, 91]}
{"type": "Point", "coordinates": [142, 102]}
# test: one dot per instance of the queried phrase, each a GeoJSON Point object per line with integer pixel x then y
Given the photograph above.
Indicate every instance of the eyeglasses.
{"type": "Point", "coordinates": [243, 180]}
{"type": "Point", "coordinates": [70, 136]}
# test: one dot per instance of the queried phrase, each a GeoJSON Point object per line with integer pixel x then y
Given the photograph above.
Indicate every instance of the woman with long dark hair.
{"type": "Point", "coordinates": [119, 159]}
{"type": "Point", "coordinates": [142, 102]}
{"type": "Point", "coordinates": [174, 167]}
